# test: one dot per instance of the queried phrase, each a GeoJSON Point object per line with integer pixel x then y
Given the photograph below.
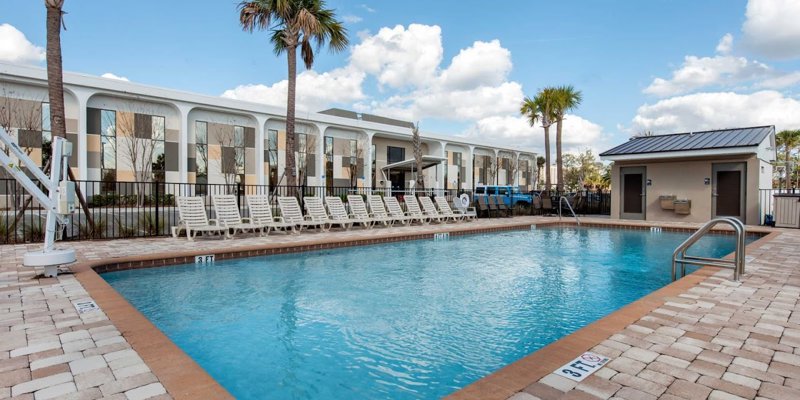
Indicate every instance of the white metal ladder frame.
{"type": "Point", "coordinates": [562, 199]}
{"type": "Point", "coordinates": [737, 264]}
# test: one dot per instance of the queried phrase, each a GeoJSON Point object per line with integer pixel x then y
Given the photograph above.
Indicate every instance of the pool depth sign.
{"type": "Point", "coordinates": [582, 366]}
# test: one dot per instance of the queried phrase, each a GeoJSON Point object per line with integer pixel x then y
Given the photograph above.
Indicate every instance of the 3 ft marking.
{"type": "Point", "coordinates": [441, 236]}
{"type": "Point", "coordinates": [207, 259]}
{"type": "Point", "coordinates": [583, 366]}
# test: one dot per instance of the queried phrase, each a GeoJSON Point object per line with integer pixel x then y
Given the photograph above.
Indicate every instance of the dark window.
{"type": "Point", "coordinates": [239, 151]}
{"type": "Point", "coordinates": [47, 135]}
{"type": "Point", "coordinates": [328, 162]}
{"type": "Point", "coordinates": [201, 156]}
{"type": "Point", "coordinates": [395, 154]}
{"type": "Point", "coordinates": [272, 159]}
{"type": "Point", "coordinates": [158, 130]}
{"type": "Point", "coordinates": [502, 190]}
{"type": "Point", "coordinates": [108, 143]}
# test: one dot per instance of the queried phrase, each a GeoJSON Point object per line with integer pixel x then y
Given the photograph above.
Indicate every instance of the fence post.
{"type": "Point", "coordinates": [157, 199]}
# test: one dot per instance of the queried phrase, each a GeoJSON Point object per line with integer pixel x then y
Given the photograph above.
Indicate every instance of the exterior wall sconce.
{"type": "Point", "coordinates": [706, 181]}
{"type": "Point", "coordinates": [649, 182]}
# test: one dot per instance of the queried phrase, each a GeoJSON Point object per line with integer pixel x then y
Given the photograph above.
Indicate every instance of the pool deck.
{"type": "Point", "coordinates": [701, 337]}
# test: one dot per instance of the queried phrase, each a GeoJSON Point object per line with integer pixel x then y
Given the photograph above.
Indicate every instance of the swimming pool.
{"type": "Point", "coordinates": [408, 320]}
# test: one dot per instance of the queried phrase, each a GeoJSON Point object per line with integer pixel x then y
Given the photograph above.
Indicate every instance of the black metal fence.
{"type": "Point", "coordinates": [141, 209]}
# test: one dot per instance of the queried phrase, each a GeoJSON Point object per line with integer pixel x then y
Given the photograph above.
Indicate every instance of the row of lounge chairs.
{"type": "Point", "coordinates": [493, 205]}
{"type": "Point", "coordinates": [319, 214]}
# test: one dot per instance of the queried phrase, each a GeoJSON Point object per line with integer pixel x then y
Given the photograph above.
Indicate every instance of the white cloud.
{"type": "Point", "coordinates": [780, 81]}
{"type": "Point", "coordinates": [725, 44]}
{"type": "Point", "coordinates": [698, 72]}
{"type": "Point", "coordinates": [772, 29]}
{"type": "Point", "coordinates": [15, 47]}
{"type": "Point", "coordinates": [315, 91]}
{"type": "Point", "coordinates": [400, 57]}
{"type": "Point", "coordinates": [718, 110]}
{"type": "Point", "coordinates": [578, 133]}
{"type": "Point", "coordinates": [482, 64]}
{"type": "Point", "coordinates": [109, 75]}
{"type": "Point", "coordinates": [368, 8]}
{"type": "Point", "coordinates": [351, 19]}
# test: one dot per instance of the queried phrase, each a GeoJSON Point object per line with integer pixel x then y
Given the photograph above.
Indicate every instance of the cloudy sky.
{"type": "Point", "coordinates": [460, 67]}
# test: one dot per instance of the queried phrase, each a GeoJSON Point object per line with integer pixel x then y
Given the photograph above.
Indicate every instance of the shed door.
{"type": "Point", "coordinates": [633, 201]}
{"type": "Point", "coordinates": [728, 190]}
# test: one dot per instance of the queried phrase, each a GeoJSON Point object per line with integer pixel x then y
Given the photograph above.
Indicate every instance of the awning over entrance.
{"type": "Point", "coordinates": [411, 164]}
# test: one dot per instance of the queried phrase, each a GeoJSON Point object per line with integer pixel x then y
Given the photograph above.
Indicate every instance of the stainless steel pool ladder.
{"type": "Point", "coordinates": [737, 264]}
{"type": "Point", "coordinates": [563, 199]}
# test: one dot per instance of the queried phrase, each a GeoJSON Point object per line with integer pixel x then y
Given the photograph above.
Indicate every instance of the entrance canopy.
{"type": "Point", "coordinates": [411, 164]}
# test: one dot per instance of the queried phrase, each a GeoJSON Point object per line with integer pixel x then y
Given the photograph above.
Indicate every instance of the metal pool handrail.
{"type": "Point", "coordinates": [562, 199]}
{"type": "Point", "coordinates": [737, 264]}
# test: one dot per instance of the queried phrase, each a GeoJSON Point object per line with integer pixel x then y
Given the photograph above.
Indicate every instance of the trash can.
{"type": "Point", "coordinates": [787, 210]}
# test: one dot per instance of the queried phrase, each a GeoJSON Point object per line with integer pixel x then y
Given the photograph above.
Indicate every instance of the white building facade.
{"type": "Point", "coordinates": [126, 132]}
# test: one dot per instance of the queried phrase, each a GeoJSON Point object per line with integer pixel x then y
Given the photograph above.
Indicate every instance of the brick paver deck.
{"type": "Point", "coordinates": [716, 339]}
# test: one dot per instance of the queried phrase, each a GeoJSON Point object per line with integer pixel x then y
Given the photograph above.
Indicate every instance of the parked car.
{"type": "Point", "coordinates": [511, 195]}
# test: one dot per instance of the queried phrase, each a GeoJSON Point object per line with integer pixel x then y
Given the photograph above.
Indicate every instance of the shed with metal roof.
{"type": "Point", "coordinates": [693, 176]}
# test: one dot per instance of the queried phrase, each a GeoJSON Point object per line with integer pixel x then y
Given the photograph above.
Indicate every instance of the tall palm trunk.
{"type": "Point", "coordinates": [547, 180]}
{"type": "Point", "coordinates": [291, 52]}
{"type": "Point", "coordinates": [559, 160]}
{"type": "Point", "coordinates": [54, 68]}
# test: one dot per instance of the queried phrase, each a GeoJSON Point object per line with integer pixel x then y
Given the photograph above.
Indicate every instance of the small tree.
{"type": "Point", "coordinates": [137, 147]}
{"type": "Point", "coordinates": [353, 169]}
{"type": "Point", "coordinates": [417, 144]}
{"type": "Point", "coordinates": [227, 160]}
{"type": "Point", "coordinates": [513, 167]}
{"type": "Point", "coordinates": [492, 166]}
{"type": "Point", "coordinates": [310, 147]}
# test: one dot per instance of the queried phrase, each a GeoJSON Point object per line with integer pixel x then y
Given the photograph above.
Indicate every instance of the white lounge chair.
{"type": "Point", "coordinates": [193, 219]}
{"type": "Point", "coordinates": [338, 212]}
{"type": "Point", "coordinates": [315, 209]}
{"type": "Point", "coordinates": [261, 213]}
{"type": "Point", "coordinates": [430, 210]}
{"type": "Point", "coordinates": [396, 211]}
{"type": "Point", "coordinates": [359, 210]}
{"type": "Point", "coordinates": [470, 213]}
{"type": "Point", "coordinates": [444, 209]}
{"type": "Point", "coordinates": [291, 213]}
{"type": "Point", "coordinates": [413, 209]}
{"type": "Point", "coordinates": [379, 210]}
{"type": "Point", "coordinates": [227, 213]}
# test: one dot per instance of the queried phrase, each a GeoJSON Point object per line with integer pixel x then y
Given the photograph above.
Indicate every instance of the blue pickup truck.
{"type": "Point", "coordinates": [510, 194]}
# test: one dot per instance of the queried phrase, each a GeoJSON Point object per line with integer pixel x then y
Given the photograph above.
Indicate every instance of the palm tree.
{"type": "Point", "coordinates": [789, 140]}
{"type": "Point", "coordinates": [55, 79]}
{"type": "Point", "coordinates": [541, 108]}
{"type": "Point", "coordinates": [294, 23]}
{"type": "Point", "coordinates": [567, 99]}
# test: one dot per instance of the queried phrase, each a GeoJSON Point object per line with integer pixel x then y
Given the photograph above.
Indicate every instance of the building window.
{"type": "Point", "coordinates": [302, 157]}
{"type": "Point", "coordinates": [157, 157]}
{"type": "Point", "coordinates": [328, 162]}
{"type": "Point", "coordinates": [239, 152]}
{"type": "Point", "coordinates": [201, 156]}
{"type": "Point", "coordinates": [272, 156]}
{"type": "Point", "coordinates": [458, 162]}
{"type": "Point", "coordinates": [395, 154]}
{"type": "Point", "coordinates": [108, 144]}
{"type": "Point", "coordinates": [47, 135]}
{"type": "Point", "coordinates": [446, 163]}
{"type": "Point", "coordinates": [373, 153]}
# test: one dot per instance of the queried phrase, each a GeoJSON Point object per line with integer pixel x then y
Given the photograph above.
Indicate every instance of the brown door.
{"type": "Point", "coordinates": [633, 192]}
{"type": "Point", "coordinates": [728, 190]}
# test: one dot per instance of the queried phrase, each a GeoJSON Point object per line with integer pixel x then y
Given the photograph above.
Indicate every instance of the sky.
{"type": "Point", "coordinates": [458, 67]}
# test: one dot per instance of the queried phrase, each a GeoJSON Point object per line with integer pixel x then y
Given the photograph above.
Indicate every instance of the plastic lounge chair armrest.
{"type": "Point", "coordinates": [247, 220]}
{"type": "Point", "coordinates": [213, 222]}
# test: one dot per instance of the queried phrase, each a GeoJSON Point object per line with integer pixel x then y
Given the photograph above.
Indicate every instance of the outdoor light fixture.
{"type": "Point", "coordinates": [649, 182]}
{"type": "Point", "coordinates": [706, 181]}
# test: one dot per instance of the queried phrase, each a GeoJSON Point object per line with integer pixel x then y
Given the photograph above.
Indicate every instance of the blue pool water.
{"type": "Point", "coordinates": [410, 320]}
